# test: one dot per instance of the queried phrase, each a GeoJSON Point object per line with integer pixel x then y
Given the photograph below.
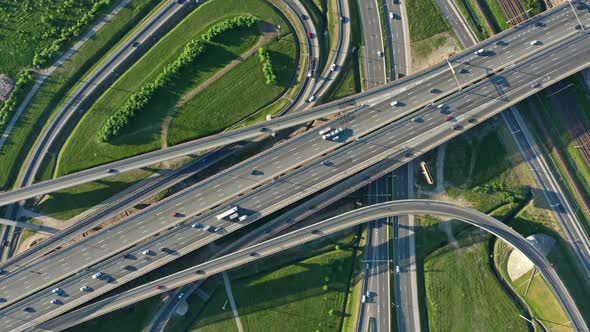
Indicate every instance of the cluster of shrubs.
{"type": "Point", "coordinates": [44, 55]}
{"type": "Point", "coordinates": [139, 99]}
{"type": "Point", "coordinates": [232, 23]}
{"type": "Point", "coordinates": [269, 74]}
{"type": "Point", "coordinates": [23, 83]}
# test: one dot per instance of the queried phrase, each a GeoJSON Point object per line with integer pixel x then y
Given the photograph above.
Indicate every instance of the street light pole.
{"type": "Point", "coordinates": [576, 14]}
{"type": "Point", "coordinates": [454, 75]}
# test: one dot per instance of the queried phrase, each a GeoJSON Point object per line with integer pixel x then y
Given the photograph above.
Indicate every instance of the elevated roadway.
{"type": "Point", "coordinates": [558, 29]}
{"type": "Point", "coordinates": [72, 104]}
{"type": "Point", "coordinates": [301, 183]}
{"type": "Point", "coordinates": [313, 232]}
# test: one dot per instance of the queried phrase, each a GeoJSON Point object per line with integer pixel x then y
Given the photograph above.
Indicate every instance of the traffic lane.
{"type": "Point", "coordinates": [473, 63]}
{"type": "Point", "coordinates": [338, 223]}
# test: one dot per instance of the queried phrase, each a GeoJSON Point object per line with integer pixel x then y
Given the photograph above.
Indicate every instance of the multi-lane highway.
{"type": "Point", "coordinates": [86, 89]}
{"type": "Point", "coordinates": [376, 260]}
{"type": "Point", "coordinates": [299, 184]}
{"type": "Point", "coordinates": [374, 56]}
{"type": "Point", "coordinates": [309, 233]}
{"type": "Point", "coordinates": [429, 122]}
{"type": "Point", "coordinates": [558, 28]}
{"type": "Point", "coordinates": [404, 257]}
{"type": "Point", "coordinates": [398, 38]}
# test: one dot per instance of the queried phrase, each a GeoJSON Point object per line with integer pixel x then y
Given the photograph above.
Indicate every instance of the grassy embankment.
{"type": "Point", "coordinates": [83, 150]}
{"type": "Point", "coordinates": [264, 304]}
{"type": "Point", "coordinates": [350, 78]}
{"type": "Point", "coordinates": [428, 29]}
{"type": "Point", "coordinates": [496, 182]}
{"type": "Point", "coordinates": [55, 87]}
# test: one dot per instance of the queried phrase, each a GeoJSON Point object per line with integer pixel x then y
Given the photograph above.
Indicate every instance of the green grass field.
{"type": "Point", "coordinates": [426, 20]}
{"type": "Point", "coordinates": [28, 25]}
{"type": "Point", "coordinates": [495, 15]}
{"type": "Point", "coordinates": [82, 149]}
{"type": "Point", "coordinates": [475, 21]}
{"type": "Point", "coordinates": [56, 85]}
{"type": "Point", "coordinates": [236, 95]}
{"type": "Point", "coordinates": [538, 297]}
{"type": "Point", "coordinates": [460, 283]}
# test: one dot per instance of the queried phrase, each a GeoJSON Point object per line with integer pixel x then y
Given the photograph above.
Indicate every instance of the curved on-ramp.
{"type": "Point", "coordinates": [328, 226]}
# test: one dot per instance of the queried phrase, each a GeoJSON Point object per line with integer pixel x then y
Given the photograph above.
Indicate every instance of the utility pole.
{"type": "Point", "coordinates": [454, 75]}
{"type": "Point", "coordinates": [576, 14]}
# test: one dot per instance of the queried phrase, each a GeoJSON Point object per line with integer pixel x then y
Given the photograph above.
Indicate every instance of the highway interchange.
{"type": "Point", "coordinates": [331, 225]}
{"type": "Point", "coordinates": [377, 144]}
{"type": "Point", "coordinates": [292, 188]}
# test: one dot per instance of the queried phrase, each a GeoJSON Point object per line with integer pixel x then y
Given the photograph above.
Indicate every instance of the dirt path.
{"type": "Point", "coordinates": [267, 32]}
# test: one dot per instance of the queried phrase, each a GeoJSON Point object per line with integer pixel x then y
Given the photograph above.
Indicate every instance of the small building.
{"type": "Point", "coordinates": [6, 86]}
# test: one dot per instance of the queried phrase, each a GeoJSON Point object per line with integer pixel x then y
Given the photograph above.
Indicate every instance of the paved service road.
{"type": "Point", "coordinates": [355, 217]}
{"type": "Point", "coordinates": [559, 29]}
{"type": "Point", "coordinates": [550, 187]}
{"type": "Point", "coordinates": [458, 22]}
{"type": "Point", "coordinates": [398, 38]}
{"type": "Point", "coordinates": [382, 144]}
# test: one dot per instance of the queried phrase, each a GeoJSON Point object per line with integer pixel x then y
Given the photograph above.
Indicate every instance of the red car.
{"type": "Point", "coordinates": [309, 35]}
{"type": "Point", "coordinates": [175, 214]}
{"type": "Point", "coordinates": [448, 117]}
{"type": "Point", "coordinates": [159, 287]}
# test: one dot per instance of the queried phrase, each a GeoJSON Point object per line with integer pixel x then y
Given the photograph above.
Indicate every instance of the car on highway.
{"type": "Point", "coordinates": [159, 287]}
{"type": "Point", "coordinates": [540, 24]}
{"type": "Point", "coordinates": [481, 51]}
{"type": "Point", "coordinates": [310, 73]}
{"type": "Point", "coordinates": [180, 296]}
{"type": "Point", "coordinates": [368, 266]}
{"type": "Point", "coordinates": [111, 170]}
{"type": "Point", "coordinates": [309, 35]}
{"type": "Point", "coordinates": [535, 85]}
{"type": "Point", "coordinates": [206, 228]}
{"type": "Point", "coordinates": [175, 214]}
{"type": "Point", "coordinates": [57, 291]}
{"type": "Point", "coordinates": [28, 309]}
{"type": "Point", "coordinates": [97, 275]}
{"type": "Point", "coordinates": [364, 299]}
{"type": "Point", "coordinates": [84, 288]}
{"type": "Point", "coordinates": [394, 103]}
{"type": "Point", "coordinates": [391, 15]}
{"type": "Point", "coordinates": [303, 17]}
{"type": "Point", "coordinates": [535, 42]}
{"type": "Point", "coordinates": [135, 44]}
{"type": "Point", "coordinates": [448, 118]}
{"type": "Point", "coordinates": [441, 106]}
{"type": "Point", "coordinates": [216, 229]}
{"type": "Point", "coordinates": [380, 53]}
{"type": "Point", "coordinates": [197, 226]}
{"type": "Point", "coordinates": [312, 98]}
{"type": "Point", "coordinates": [333, 67]}
{"type": "Point", "coordinates": [397, 269]}
{"type": "Point", "coordinates": [435, 91]}
{"type": "Point", "coordinates": [147, 252]}
{"type": "Point", "coordinates": [55, 301]}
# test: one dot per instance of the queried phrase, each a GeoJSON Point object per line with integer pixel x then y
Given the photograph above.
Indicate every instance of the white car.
{"type": "Point", "coordinates": [312, 98]}
{"type": "Point", "coordinates": [84, 288]}
{"type": "Point", "coordinates": [97, 275]}
{"type": "Point", "coordinates": [394, 103]}
{"type": "Point", "coordinates": [481, 51]}
{"type": "Point", "coordinates": [146, 252]}
{"type": "Point", "coordinates": [54, 301]}
{"type": "Point", "coordinates": [364, 299]}
{"type": "Point", "coordinates": [333, 67]}
{"type": "Point", "coordinates": [534, 42]}
{"type": "Point", "coordinates": [180, 295]}
{"type": "Point", "coordinates": [391, 15]}
{"type": "Point", "coordinates": [441, 106]}
{"type": "Point", "coordinates": [380, 53]}
{"type": "Point", "coordinates": [56, 290]}
{"type": "Point", "coordinates": [397, 269]}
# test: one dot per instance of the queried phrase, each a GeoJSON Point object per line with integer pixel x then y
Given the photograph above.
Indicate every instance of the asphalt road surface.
{"type": "Point", "coordinates": [404, 259]}
{"type": "Point", "coordinates": [297, 185]}
{"type": "Point", "coordinates": [343, 221]}
{"type": "Point", "coordinates": [513, 79]}
{"type": "Point", "coordinates": [374, 58]}
{"type": "Point", "coordinates": [458, 22]}
{"type": "Point", "coordinates": [349, 166]}
{"type": "Point", "coordinates": [398, 38]}
{"type": "Point", "coordinates": [514, 48]}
